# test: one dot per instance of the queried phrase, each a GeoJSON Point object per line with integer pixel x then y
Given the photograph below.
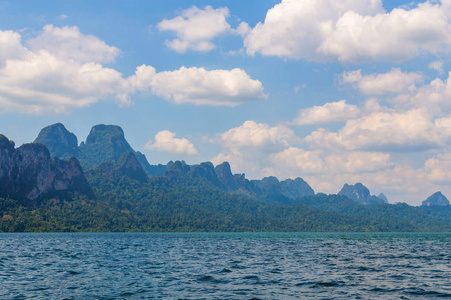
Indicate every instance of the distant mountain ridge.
{"type": "Point", "coordinates": [361, 194]}
{"type": "Point", "coordinates": [104, 143]}
{"type": "Point", "coordinates": [41, 193]}
{"type": "Point", "coordinates": [437, 199]}
{"type": "Point", "coordinates": [107, 143]}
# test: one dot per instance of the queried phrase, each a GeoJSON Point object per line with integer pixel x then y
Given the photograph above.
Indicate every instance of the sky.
{"type": "Point", "coordinates": [333, 91]}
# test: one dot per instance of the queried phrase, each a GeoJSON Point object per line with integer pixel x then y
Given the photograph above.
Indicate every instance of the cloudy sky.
{"type": "Point", "coordinates": [333, 91]}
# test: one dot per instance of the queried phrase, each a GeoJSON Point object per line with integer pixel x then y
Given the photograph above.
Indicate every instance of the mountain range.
{"type": "Point", "coordinates": [102, 184]}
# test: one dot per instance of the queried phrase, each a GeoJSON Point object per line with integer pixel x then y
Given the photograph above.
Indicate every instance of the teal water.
{"type": "Point", "coordinates": [225, 265]}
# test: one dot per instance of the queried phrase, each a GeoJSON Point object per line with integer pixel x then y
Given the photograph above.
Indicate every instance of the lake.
{"type": "Point", "coordinates": [225, 265]}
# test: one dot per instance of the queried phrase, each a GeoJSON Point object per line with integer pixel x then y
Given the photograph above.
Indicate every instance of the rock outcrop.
{"type": "Point", "coordinates": [28, 173]}
{"type": "Point", "coordinates": [383, 197]}
{"type": "Point", "coordinates": [60, 142]}
{"type": "Point", "coordinates": [104, 143]}
{"type": "Point", "coordinates": [295, 188]}
{"type": "Point", "coordinates": [437, 199]}
{"type": "Point", "coordinates": [360, 194]}
{"type": "Point", "coordinates": [228, 180]}
{"type": "Point", "coordinates": [127, 166]}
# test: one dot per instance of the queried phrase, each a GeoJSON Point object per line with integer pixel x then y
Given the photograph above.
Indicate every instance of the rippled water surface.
{"type": "Point", "coordinates": [225, 266]}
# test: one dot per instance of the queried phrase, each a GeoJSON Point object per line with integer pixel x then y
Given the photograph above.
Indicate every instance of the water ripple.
{"type": "Point", "coordinates": [225, 266]}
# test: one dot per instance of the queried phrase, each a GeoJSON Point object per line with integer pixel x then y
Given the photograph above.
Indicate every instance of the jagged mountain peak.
{"type": "Point", "coordinates": [60, 142]}
{"type": "Point", "coordinates": [436, 199]}
{"type": "Point", "coordinates": [28, 173]}
{"type": "Point", "coordinates": [360, 193]}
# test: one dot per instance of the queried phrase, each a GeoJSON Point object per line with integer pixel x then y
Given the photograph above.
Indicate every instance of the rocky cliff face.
{"type": "Point", "coordinates": [294, 188]}
{"type": "Point", "coordinates": [28, 173]}
{"type": "Point", "coordinates": [360, 194]}
{"type": "Point", "coordinates": [60, 142]}
{"type": "Point", "coordinates": [437, 199]}
{"type": "Point", "coordinates": [228, 180]}
{"type": "Point", "coordinates": [104, 143]}
{"type": "Point", "coordinates": [127, 166]}
{"type": "Point", "coordinates": [205, 170]}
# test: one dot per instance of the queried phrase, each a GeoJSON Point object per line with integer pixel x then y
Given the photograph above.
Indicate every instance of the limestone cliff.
{"type": "Point", "coordinates": [28, 173]}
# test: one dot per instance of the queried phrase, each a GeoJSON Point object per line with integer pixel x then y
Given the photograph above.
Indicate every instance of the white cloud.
{"type": "Point", "coordinates": [437, 66]}
{"type": "Point", "coordinates": [68, 43]}
{"type": "Point", "coordinates": [166, 141]}
{"type": "Point", "coordinates": [395, 131]}
{"type": "Point", "coordinates": [63, 70]}
{"type": "Point", "coordinates": [394, 81]}
{"type": "Point", "coordinates": [41, 82]}
{"type": "Point", "coordinates": [202, 87]}
{"type": "Point", "coordinates": [400, 183]}
{"type": "Point", "coordinates": [10, 46]}
{"type": "Point", "coordinates": [258, 136]}
{"type": "Point", "coordinates": [433, 96]}
{"type": "Point", "coordinates": [293, 162]}
{"type": "Point", "coordinates": [358, 162]}
{"type": "Point", "coordinates": [243, 29]}
{"type": "Point", "coordinates": [328, 113]}
{"type": "Point", "coordinates": [249, 146]}
{"type": "Point", "coordinates": [351, 31]}
{"type": "Point", "coordinates": [195, 28]}
{"type": "Point", "coordinates": [438, 168]}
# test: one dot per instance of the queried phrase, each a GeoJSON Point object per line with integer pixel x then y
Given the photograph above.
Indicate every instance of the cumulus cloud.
{"type": "Point", "coordinates": [249, 146]}
{"type": "Point", "coordinates": [202, 87]}
{"type": "Point", "coordinates": [390, 131]}
{"type": "Point", "coordinates": [438, 168]}
{"type": "Point", "coordinates": [328, 113]}
{"type": "Point", "coordinates": [258, 136]}
{"type": "Point", "coordinates": [10, 46]}
{"type": "Point", "coordinates": [358, 162]}
{"type": "Point", "coordinates": [433, 97]}
{"type": "Point", "coordinates": [351, 31]}
{"type": "Point", "coordinates": [293, 162]}
{"type": "Point", "coordinates": [47, 80]}
{"type": "Point", "coordinates": [63, 70]}
{"type": "Point", "coordinates": [394, 81]}
{"type": "Point", "coordinates": [68, 43]}
{"type": "Point", "coordinates": [195, 28]}
{"type": "Point", "coordinates": [166, 141]}
{"type": "Point", "coordinates": [437, 66]}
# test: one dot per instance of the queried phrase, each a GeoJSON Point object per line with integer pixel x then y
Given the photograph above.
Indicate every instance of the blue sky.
{"type": "Point", "coordinates": [331, 91]}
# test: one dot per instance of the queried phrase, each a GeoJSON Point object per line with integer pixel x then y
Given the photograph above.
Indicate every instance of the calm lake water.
{"type": "Point", "coordinates": [225, 266]}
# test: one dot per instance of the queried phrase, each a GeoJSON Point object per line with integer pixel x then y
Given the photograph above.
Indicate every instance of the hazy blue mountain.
{"type": "Point", "coordinates": [151, 170]}
{"type": "Point", "coordinates": [205, 170]}
{"type": "Point", "coordinates": [28, 173]}
{"type": "Point", "coordinates": [296, 188]}
{"type": "Point", "coordinates": [38, 193]}
{"type": "Point", "coordinates": [228, 180]}
{"type": "Point", "coordinates": [437, 199]}
{"type": "Point", "coordinates": [127, 166]}
{"type": "Point", "coordinates": [383, 197]}
{"type": "Point", "coordinates": [60, 142]}
{"type": "Point", "coordinates": [104, 143]}
{"type": "Point", "coordinates": [360, 194]}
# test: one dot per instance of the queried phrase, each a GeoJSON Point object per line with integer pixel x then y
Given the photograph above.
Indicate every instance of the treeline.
{"type": "Point", "coordinates": [161, 204]}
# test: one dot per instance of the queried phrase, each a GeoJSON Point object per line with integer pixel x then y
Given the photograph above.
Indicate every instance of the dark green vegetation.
{"type": "Point", "coordinates": [41, 193]}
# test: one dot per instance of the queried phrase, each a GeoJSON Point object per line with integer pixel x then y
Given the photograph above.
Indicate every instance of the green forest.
{"type": "Point", "coordinates": [161, 205]}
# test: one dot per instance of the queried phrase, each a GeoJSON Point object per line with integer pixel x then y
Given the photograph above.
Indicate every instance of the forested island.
{"type": "Point", "coordinates": [103, 185]}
